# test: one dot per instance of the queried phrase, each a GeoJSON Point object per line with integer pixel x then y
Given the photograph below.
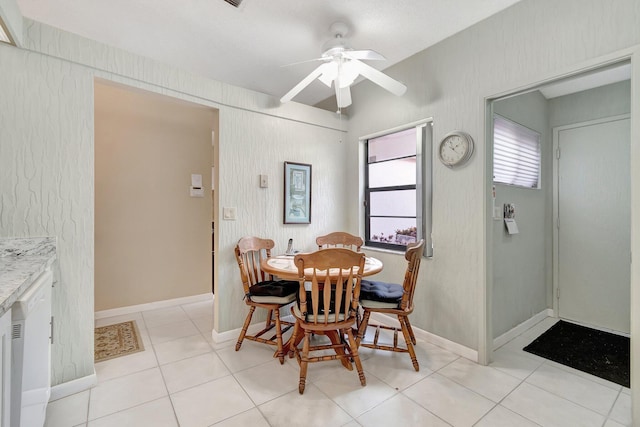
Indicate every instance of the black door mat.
{"type": "Point", "coordinates": [598, 353]}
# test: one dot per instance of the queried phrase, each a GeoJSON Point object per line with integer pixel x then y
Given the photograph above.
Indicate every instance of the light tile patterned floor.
{"type": "Point", "coordinates": [185, 379]}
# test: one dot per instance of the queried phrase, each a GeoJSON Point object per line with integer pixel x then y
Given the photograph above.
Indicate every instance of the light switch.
{"type": "Point", "coordinates": [264, 181]}
{"type": "Point", "coordinates": [229, 214]}
{"type": "Point", "coordinates": [196, 189]}
{"type": "Point", "coordinates": [497, 213]}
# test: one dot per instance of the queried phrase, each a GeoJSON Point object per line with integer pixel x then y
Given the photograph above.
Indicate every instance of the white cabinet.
{"type": "Point", "coordinates": [5, 369]}
{"type": "Point", "coordinates": [26, 279]}
{"type": "Point", "coordinates": [31, 354]}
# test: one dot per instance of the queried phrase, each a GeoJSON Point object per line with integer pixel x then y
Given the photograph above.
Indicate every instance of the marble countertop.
{"type": "Point", "coordinates": [22, 260]}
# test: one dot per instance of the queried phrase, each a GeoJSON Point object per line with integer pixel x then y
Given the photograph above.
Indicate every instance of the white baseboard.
{"type": "Point", "coordinates": [451, 346]}
{"type": "Point", "coordinates": [444, 343]}
{"type": "Point", "coordinates": [519, 329]}
{"type": "Point", "coordinates": [74, 386]}
{"type": "Point", "coordinates": [152, 306]}
{"type": "Point", "coordinates": [220, 337]}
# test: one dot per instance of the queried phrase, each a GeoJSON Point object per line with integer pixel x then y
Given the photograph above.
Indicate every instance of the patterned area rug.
{"type": "Point", "coordinates": [117, 340]}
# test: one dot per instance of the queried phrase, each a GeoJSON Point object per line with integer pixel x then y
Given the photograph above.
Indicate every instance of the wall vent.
{"type": "Point", "coordinates": [16, 331]}
{"type": "Point", "coordinates": [234, 3]}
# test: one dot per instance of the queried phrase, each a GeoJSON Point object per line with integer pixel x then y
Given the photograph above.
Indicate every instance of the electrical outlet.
{"type": "Point", "coordinates": [264, 181]}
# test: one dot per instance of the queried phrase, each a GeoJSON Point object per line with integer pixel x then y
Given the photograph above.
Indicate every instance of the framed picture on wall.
{"type": "Point", "coordinates": [297, 193]}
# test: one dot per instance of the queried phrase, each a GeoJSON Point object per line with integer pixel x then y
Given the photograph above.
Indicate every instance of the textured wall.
{"type": "Point", "coordinates": [527, 43]}
{"type": "Point", "coordinates": [47, 166]}
{"type": "Point", "coordinates": [256, 144]}
{"type": "Point", "coordinates": [152, 240]}
{"type": "Point", "coordinates": [46, 187]}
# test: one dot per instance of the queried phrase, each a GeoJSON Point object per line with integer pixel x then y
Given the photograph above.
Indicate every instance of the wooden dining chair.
{"type": "Point", "coordinates": [340, 239]}
{"type": "Point", "coordinates": [327, 307]}
{"type": "Point", "coordinates": [261, 290]}
{"type": "Point", "coordinates": [394, 299]}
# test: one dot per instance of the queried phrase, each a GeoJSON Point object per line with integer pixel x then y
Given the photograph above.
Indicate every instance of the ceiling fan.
{"type": "Point", "coordinates": [341, 66]}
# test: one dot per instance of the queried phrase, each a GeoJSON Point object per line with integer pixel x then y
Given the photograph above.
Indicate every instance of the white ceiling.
{"type": "Point", "coordinates": [601, 77]}
{"type": "Point", "coordinates": [248, 46]}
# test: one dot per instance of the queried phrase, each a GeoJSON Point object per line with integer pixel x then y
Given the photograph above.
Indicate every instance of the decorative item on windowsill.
{"type": "Point", "coordinates": [400, 237]}
{"type": "Point", "coordinates": [406, 236]}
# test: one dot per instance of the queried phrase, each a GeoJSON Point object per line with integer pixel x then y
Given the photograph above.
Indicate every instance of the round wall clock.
{"type": "Point", "coordinates": [455, 149]}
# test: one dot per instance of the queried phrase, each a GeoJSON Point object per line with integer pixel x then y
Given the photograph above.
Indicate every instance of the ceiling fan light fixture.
{"type": "Point", "coordinates": [348, 74]}
{"type": "Point", "coordinates": [328, 78]}
{"type": "Point", "coordinates": [334, 48]}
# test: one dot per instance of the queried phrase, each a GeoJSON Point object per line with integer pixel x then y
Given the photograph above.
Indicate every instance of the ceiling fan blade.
{"type": "Point", "coordinates": [343, 96]}
{"type": "Point", "coordinates": [379, 78]}
{"type": "Point", "coordinates": [304, 83]}
{"type": "Point", "coordinates": [304, 62]}
{"type": "Point", "coordinates": [369, 55]}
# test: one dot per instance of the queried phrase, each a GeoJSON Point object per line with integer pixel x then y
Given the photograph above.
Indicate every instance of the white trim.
{"type": "Point", "coordinates": [233, 334]}
{"type": "Point", "coordinates": [220, 337]}
{"type": "Point", "coordinates": [522, 327]}
{"type": "Point", "coordinates": [635, 234]}
{"type": "Point", "coordinates": [422, 122]}
{"type": "Point", "coordinates": [460, 350]}
{"type": "Point", "coordinates": [444, 343]}
{"type": "Point", "coordinates": [74, 386]}
{"type": "Point", "coordinates": [152, 306]}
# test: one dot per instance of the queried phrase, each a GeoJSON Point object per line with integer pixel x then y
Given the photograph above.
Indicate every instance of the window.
{"type": "Point", "coordinates": [397, 188]}
{"type": "Point", "coordinates": [516, 154]}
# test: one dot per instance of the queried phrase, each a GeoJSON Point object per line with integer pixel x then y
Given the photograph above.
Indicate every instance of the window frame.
{"type": "Point", "coordinates": [423, 186]}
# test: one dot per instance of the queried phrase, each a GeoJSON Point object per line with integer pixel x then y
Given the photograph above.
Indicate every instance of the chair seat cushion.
{"type": "Point", "coordinates": [331, 317]}
{"type": "Point", "coordinates": [377, 304]}
{"type": "Point", "coordinates": [274, 291]}
{"type": "Point", "coordinates": [382, 292]}
{"type": "Point", "coordinates": [332, 303]}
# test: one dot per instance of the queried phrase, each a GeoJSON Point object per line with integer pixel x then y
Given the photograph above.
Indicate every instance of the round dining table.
{"type": "Point", "coordinates": [283, 266]}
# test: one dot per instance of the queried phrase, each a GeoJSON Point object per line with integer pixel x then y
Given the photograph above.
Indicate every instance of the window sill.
{"type": "Point", "coordinates": [383, 250]}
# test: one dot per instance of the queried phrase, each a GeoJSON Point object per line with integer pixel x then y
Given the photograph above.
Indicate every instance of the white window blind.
{"type": "Point", "coordinates": [516, 154]}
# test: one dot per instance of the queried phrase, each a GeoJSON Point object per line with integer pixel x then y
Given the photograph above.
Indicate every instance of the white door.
{"type": "Point", "coordinates": [593, 233]}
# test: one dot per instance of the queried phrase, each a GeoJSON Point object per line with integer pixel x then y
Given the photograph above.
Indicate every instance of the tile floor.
{"type": "Point", "coordinates": [185, 379]}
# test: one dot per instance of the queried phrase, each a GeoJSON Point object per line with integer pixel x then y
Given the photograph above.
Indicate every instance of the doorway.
{"type": "Point", "coordinates": [592, 233]}
{"type": "Point", "coordinates": [151, 228]}
{"type": "Point", "coordinates": [523, 266]}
